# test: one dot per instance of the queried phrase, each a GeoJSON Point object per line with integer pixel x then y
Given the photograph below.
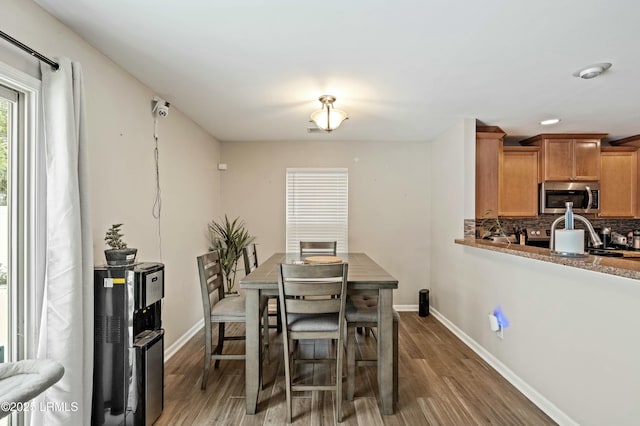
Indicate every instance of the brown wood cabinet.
{"type": "Point", "coordinates": [619, 182]}
{"type": "Point", "coordinates": [506, 176]}
{"type": "Point", "coordinates": [568, 156]}
{"type": "Point", "coordinates": [518, 183]}
{"type": "Point", "coordinates": [488, 151]}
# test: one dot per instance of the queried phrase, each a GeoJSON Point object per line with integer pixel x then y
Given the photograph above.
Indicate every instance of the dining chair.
{"type": "Point", "coordinates": [362, 312]}
{"type": "Point", "coordinates": [250, 257]}
{"type": "Point", "coordinates": [312, 306]}
{"type": "Point", "coordinates": [327, 248]}
{"type": "Point", "coordinates": [221, 310]}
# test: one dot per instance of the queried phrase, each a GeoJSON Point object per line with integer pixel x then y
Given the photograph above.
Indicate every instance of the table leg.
{"type": "Point", "coordinates": [252, 347]}
{"type": "Point", "coordinates": [385, 349]}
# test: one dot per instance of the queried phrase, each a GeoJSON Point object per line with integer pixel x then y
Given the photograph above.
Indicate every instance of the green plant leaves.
{"type": "Point", "coordinates": [229, 238]}
{"type": "Point", "coordinates": [113, 238]}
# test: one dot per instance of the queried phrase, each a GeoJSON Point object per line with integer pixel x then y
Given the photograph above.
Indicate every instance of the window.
{"type": "Point", "coordinates": [317, 207]}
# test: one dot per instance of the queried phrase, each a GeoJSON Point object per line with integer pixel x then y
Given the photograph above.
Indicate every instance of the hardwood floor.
{"type": "Point", "coordinates": [441, 382]}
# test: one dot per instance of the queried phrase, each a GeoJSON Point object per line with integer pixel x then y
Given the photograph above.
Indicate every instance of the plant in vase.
{"type": "Point", "coordinates": [229, 238]}
{"type": "Point", "coordinates": [493, 229]}
{"type": "Point", "coordinates": [119, 254]}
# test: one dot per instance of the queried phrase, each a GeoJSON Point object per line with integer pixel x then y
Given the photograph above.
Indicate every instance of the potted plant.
{"type": "Point", "coordinates": [493, 229]}
{"type": "Point", "coordinates": [229, 238]}
{"type": "Point", "coordinates": [119, 254]}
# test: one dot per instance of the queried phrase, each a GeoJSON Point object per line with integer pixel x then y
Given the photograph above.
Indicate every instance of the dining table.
{"type": "Point", "coordinates": [365, 276]}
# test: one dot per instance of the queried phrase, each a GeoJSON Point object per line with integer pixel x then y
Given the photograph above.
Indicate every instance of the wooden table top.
{"type": "Point", "coordinates": [364, 272]}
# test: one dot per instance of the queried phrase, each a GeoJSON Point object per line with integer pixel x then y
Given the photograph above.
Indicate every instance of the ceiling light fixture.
{"type": "Point", "coordinates": [592, 71]}
{"type": "Point", "coordinates": [550, 121]}
{"type": "Point", "coordinates": [328, 118]}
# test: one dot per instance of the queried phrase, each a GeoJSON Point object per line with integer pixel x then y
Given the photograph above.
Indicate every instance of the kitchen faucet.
{"type": "Point", "coordinates": [595, 239]}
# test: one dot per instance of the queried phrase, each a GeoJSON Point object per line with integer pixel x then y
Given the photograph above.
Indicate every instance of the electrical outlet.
{"type": "Point", "coordinates": [493, 323]}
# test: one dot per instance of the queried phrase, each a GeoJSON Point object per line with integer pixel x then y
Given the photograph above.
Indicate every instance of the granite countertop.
{"type": "Point", "coordinates": [622, 267]}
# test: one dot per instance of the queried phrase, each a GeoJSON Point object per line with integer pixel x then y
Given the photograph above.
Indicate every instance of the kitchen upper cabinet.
{"type": "Point", "coordinates": [488, 151]}
{"type": "Point", "coordinates": [567, 156]}
{"type": "Point", "coordinates": [619, 182]}
{"type": "Point", "coordinates": [506, 176]}
{"type": "Point", "coordinates": [518, 182]}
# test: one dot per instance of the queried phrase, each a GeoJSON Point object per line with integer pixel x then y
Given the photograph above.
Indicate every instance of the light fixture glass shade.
{"type": "Point", "coordinates": [328, 118]}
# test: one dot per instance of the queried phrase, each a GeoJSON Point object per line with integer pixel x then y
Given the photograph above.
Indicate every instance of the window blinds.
{"type": "Point", "coordinates": [317, 207]}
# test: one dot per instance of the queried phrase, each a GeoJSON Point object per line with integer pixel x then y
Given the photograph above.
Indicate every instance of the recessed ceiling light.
{"type": "Point", "coordinates": [592, 71]}
{"type": "Point", "coordinates": [550, 121]}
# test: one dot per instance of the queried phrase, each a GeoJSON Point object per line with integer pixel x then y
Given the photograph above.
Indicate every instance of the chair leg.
{"type": "Point", "coordinates": [265, 333]}
{"type": "Point", "coordinates": [207, 355]}
{"type": "Point", "coordinates": [287, 376]}
{"type": "Point", "coordinates": [339, 355]}
{"type": "Point", "coordinates": [220, 343]}
{"type": "Point", "coordinates": [351, 361]}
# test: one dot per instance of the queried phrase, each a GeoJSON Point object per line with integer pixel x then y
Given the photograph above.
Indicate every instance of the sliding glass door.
{"type": "Point", "coordinates": [8, 102]}
{"type": "Point", "coordinates": [21, 219]}
{"type": "Point", "coordinates": [8, 99]}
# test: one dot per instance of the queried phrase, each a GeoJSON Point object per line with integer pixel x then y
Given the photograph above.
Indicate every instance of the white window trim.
{"type": "Point", "coordinates": [341, 231]}
{"type": "Point", "coordinates": [27, 212]}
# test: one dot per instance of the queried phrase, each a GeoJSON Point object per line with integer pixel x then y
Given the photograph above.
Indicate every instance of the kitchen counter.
{"type": "Point", "coordinates": [620, 266]}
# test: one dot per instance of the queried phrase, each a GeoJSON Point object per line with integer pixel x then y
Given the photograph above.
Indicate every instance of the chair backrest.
{"type": "Point", "coordinates": [211, 282]}
{"type": "Point", "coordinates": [318, 247]}
{"type": "Point", "coordinates": [313, 289]}
{"type": "Point", "coordinates": [250, 256]}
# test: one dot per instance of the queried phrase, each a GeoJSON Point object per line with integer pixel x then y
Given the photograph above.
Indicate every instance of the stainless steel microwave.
{"type": "Point", "coordinates": [585, 197]}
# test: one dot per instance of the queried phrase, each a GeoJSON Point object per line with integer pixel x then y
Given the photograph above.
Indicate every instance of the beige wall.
{"type": "Point", "coordinates": [388, 199]}
{"type": "Point", "coordinates": [573, 335]}
{"type": "Point", "coordinates": [120, 132]}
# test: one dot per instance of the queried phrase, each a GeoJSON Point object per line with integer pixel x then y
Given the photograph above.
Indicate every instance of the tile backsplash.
{"type": "Point", "coordinates": [544, 222]}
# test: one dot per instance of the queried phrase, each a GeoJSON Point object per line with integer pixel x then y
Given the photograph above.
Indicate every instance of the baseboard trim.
{"type": "Point", "coordinates": [534, 396]}
{"type": "Point", "coordinates": [406, 308]}
{"type": "Point", "coordinates": [175, 347]}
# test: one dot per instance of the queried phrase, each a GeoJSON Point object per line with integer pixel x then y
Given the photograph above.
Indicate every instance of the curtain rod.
{"type": "Point", "coordinates": [29, 50]}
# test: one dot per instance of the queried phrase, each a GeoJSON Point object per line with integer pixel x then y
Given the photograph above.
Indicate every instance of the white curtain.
{"type": "Point", "coordinates": [66, 326]}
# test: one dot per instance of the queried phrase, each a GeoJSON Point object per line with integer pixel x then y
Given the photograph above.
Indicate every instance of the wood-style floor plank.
{"type": "Point", "coordinates": [441, 382]}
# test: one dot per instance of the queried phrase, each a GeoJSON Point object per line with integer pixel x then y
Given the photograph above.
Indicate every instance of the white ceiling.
{"type": "Point", "coordinates": [403, 70]}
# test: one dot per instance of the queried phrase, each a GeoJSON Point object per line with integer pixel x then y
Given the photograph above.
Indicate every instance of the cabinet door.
{"type": "Point", "coordinates": [518, 183]}
{"type": "Point", "coordinates": [618, 184]}
{"type": "Point", "coordinates": [571, 159]}
{"type": "Point", "coordinates": [487, 159]}
{"type": "Point", "coordinates": [558, 159]}
{"type": "Point", "coordinates": [586, 153]}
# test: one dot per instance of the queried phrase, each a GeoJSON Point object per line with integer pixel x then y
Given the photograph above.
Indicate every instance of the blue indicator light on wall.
{"type": "Point", "coordinates": [503, 322]}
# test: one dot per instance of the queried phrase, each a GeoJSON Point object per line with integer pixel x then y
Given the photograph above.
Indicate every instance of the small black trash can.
{"type": "Point", "coordinates": [423, 307]}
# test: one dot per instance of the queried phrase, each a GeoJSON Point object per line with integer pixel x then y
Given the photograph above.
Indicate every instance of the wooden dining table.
{"type": "Point", "coordinates": [365, 276]}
